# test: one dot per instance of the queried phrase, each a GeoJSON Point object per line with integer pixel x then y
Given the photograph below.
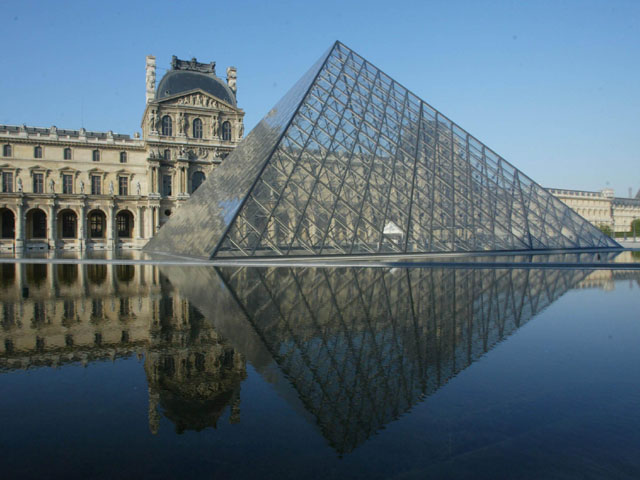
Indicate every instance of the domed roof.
{"type": "Point", "coordinates": [182, 79]}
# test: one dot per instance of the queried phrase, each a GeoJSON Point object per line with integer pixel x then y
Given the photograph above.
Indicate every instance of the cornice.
{"type": "Point", "coordinates": [71, 143]}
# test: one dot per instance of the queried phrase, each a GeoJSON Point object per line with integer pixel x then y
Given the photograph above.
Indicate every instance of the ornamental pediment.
{"type": "Point", "coordinates": [197, 98]}
{"type": "Point", "coordinates": [68, 170]}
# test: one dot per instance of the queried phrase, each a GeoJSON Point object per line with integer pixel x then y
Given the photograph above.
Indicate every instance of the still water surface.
{"type": "Point", "coordinates": [141, 371]}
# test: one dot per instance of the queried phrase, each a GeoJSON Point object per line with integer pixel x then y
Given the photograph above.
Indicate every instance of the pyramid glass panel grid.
{"type": "Point", "coordinates": [358, 165]}
{"type": "Point", "coordinates": [362, 346]}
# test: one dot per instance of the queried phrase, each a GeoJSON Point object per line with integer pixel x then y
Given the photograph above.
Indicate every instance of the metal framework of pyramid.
{"type": "Point", "coordinates": [350, 162]}
{"type": "Point", "coordinates": [361, 346]}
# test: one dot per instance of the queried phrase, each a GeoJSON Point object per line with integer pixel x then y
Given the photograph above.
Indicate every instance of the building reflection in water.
{"type": "Point", "coordinates": [349, 348]}
{"type": "Point", "coordinates": [54, 315]}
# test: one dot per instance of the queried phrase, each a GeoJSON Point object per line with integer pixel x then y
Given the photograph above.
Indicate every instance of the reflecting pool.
{"type": "Point", "coordinates": [121, 371]}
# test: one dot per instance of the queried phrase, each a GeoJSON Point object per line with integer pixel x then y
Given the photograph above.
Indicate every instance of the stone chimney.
{"type": "Point", "coordinates": [232, 74]}
{"type": "Point", "coordinates": [151, 78]}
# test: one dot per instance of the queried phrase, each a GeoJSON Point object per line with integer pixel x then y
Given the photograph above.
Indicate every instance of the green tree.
{"type": "Point", "coordinates": [635, 226]}
{"type": "Point", "coordinates": [606, 229]}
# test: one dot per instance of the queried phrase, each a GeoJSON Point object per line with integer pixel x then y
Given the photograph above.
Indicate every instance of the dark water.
{"type": "Point", "coordinates": [141, 371]}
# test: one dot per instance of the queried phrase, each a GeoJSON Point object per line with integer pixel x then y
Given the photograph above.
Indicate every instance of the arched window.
{"type": "Point", "coordinates": [67, 275]}
{"type": "Point", "coordinates": [97, 223]}
{"type": "Point", "coordinates": [226, 131]}
{"type": "Point", "coordinates": [97, 274]}
{"type": "Point", "coordinates": [6, 151]}
{"type": "Point", "coordinates": [125, 273]}
{"type": "Point", "coordinates": [197, 128]}
{"type": "Point", "coordinates": [123, 157]}
{"type": "Point", "coordinates": [37, 223]}
{"type": "Point", "coordinates": [96, 155]}
{"type": "Point", "coordinates": [124, 224]}
{"type": "Point", "coordinates": [167, 154]}
{"type": "Point", "coordinates": [196, 181]}
{"type": "Point", "coordinates": [37, 152]}
{"type": "Point", "coordinates": [8, 224]}
{"type": "Point", "coordinates": [167, 126]}
{"type": "Point", "coordinates": [67, 153]}
{"type": "Point", "coordinates": [69, 222]}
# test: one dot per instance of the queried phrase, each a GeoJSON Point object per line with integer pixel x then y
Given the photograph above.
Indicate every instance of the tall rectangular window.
{"type": "Point", "coordinates": [166, 185]}
{"type": "Point", "coordinates": [123, 186]}
{"type": "Point", "coordinates": [67, 184]}
{"type": "Point", "coordinates": [38, 183]}
{"type": "Point", "coordinates": [96, 185]}
{"type": "Point", "coordinates": [7, 182]}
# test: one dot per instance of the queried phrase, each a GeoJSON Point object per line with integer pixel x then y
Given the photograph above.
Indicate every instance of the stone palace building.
{"type": "Point", "coordinates": [602, 208]}
{"type": "Point", "coordinates": [84, 190]}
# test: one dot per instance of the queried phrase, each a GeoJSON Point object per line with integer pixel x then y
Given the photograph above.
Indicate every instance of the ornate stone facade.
{"type": "Point", "coordinates": [83, 190]}
{"type": "Point", "coordinates": [602, 208]}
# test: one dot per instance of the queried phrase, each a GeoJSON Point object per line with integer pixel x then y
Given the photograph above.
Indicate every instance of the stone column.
{"type": "Point", "coordinates": [52, 278]}
{"type": "Point", "coordinates": [82, 277]}
{"type": "Point", "coordinates": [110, 226]}
{"type": "Point", "coordinates": [51, 240]}
{"type": "Point", "coordinates": [156, 187]}
{"type": "Point", "coordinates": [19, 243]}
{"type": "Point", "coordinates": [140, 228]}
{"type": "Point", "coordinates": [185, 183]}
{"type": "Point", "coordinates": [82, 225]}
{"type": "Point", "coordinates": [156, 220]}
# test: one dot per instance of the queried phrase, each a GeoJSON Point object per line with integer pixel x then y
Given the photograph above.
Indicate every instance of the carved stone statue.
{"type": "Point", "coordinates": [214, 126]}
{"type": "Point", "coordinates": [153, 121]}
{"type": "Point", "coordinates": [81, 186]}
{"type": "Point", "coordinates": [138, 188]}
{"type": "Point", "coordinates": [240, 129]}
{"type": "Point", "coordinates": [111, 187]}
{"type": "Point", "coordinates": [150, 77]}
{"type": "Point", "coordinates": [52, 185]}
{"type": "Point", "coordinates": [19, 184]}
{"type": "Point", "coordinates": [232, 75]}
{"type": "Point", "coordinates": [182, 123]}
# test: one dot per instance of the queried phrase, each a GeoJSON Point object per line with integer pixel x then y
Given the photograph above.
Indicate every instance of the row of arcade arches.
{"type": "Point", "coordinates": [66, 225]}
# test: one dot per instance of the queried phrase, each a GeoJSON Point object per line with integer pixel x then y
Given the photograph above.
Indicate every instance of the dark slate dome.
{"type": "Point", "coordinates": [178, 81]}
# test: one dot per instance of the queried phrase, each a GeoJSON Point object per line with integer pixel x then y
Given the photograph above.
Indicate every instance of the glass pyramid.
{"type": "Point", "coordinates": [350, 162]}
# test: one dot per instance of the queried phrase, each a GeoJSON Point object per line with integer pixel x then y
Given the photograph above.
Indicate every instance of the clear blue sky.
{"type": "Point", "coordinates": [553, 86]}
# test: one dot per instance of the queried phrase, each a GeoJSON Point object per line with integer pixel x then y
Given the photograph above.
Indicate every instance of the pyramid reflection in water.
{"type": "Point", "coordinates": [351, 162]}
{"type": "Point", "coordinates": [361, 346]}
